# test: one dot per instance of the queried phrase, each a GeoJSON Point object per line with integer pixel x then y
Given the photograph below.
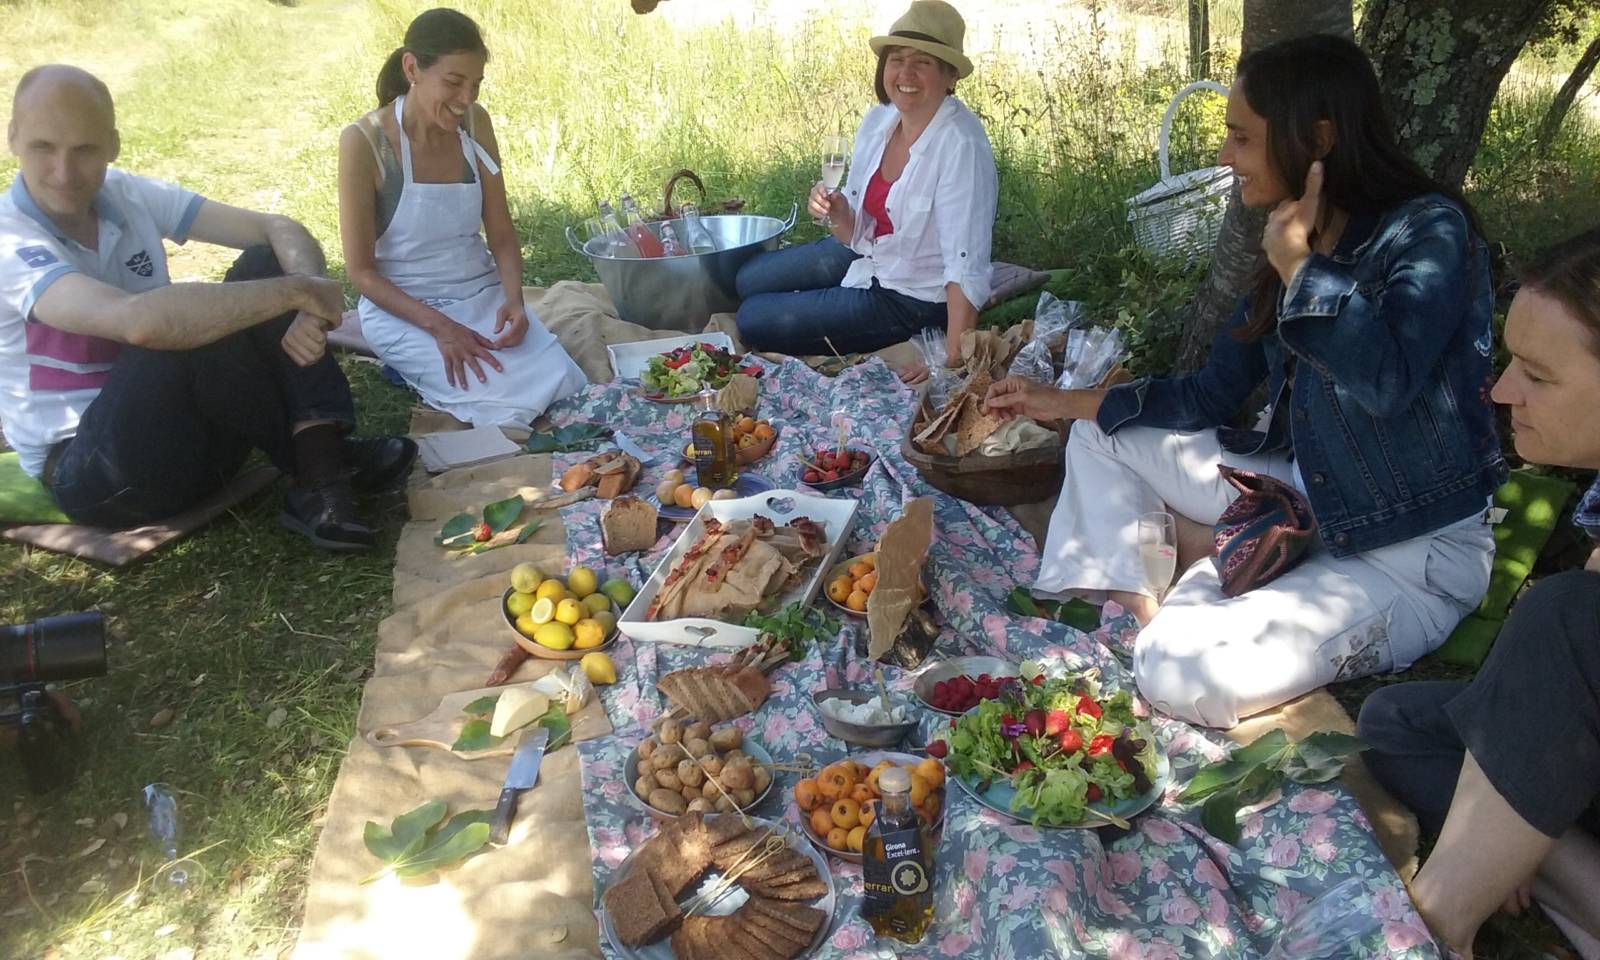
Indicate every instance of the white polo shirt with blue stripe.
{"type": "Point", "coordinates": [48, 377]}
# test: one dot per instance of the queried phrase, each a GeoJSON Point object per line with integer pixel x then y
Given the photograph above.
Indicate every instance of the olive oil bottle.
{"type": "Point", "coordinates": [712, 436]}
{"type": "Point", "coordinates": [896, 865]}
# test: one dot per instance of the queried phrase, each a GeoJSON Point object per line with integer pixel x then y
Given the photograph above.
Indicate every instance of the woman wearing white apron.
{"type": "Point", "coordinates": [438, 304]}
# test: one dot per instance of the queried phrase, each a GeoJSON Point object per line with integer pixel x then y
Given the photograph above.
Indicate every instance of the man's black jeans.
{"type": "Point", "coordinates": [172, 427]}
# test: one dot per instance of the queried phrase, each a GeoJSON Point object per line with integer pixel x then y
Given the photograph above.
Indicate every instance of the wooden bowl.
{"type": "Point", "coordinates": [743, 456]}
{"type": "Point", "coordinates": [545, 653]}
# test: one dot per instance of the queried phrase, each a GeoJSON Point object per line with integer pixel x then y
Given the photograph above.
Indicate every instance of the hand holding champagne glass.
{"type": "Point", "coordinates": [1158, 551]}
{"type": "Point", "coordinates": [835, 153]}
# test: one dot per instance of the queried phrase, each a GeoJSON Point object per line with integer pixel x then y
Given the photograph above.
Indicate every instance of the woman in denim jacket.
{"type": "Point", "coordinates": [1372, 326]}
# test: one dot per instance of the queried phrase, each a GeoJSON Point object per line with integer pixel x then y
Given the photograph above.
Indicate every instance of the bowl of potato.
{"type": "Point", "coordinates": [685, 767]}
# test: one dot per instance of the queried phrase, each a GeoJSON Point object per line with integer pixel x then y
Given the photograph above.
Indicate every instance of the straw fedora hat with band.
{"type": "Point", "coordinates": [931, 26]}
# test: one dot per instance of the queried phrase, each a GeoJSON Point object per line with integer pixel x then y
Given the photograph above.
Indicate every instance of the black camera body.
{"type": "Point", "coordinates": [51, 649]}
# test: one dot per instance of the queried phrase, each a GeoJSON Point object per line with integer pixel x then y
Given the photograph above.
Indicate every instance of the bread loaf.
{"type": "Point", "coordinates": [628, 524]}
{"type": "Point", "coordinates": [713, 694]}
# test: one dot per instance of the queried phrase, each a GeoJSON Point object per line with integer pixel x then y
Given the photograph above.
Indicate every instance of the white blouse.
{"type": "Point", "coordinates": [942, 207]}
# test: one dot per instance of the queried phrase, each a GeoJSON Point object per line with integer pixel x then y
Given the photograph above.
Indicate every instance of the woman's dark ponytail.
{"type": "Point", "coordinates": [433, 34]}
{"type": "Point", "coordinates": [392, 77]}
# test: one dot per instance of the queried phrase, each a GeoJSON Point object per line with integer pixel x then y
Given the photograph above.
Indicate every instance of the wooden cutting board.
{"type": "Point", "coordinates": [441, 727]}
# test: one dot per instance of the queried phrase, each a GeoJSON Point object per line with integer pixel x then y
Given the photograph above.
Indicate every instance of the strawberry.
{"type": "Point", "coordinates": [828, 476]}
{"type": "Point", "coordinates": [482, 533]}
{"type": "Point", "coordinates": [1087, 705]}
{"type": "Point", "coordinates": [1071, 741]}
{"type": "Point", "coordinates": [937, 749]}
{"type": "Point", "coordinates": [1093, 793]}
{"type": "Point", "coordinates": [1057, 722]}
{"type": "Point", "coordinates": [1100, 745]}
{"type": "Point", "coordinates": [1019, 768]}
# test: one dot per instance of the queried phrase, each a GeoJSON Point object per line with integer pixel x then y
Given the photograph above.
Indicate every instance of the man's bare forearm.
{"type": "Point", "coordinates": [180, 316]}
{"type": "Point", "coordinates": [296, 249]}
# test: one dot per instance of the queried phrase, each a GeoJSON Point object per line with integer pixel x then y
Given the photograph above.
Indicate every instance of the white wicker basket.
{"type": "Point", "coordinates": [1180, 215]}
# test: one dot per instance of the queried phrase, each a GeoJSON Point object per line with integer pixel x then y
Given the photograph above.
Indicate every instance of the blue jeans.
{"type": "Point", "coordinates": [172, 427]}
{"type": "Point", "coordinates": [793, 304]}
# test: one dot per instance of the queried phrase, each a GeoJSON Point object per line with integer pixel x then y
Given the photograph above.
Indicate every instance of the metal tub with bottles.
{"type": "Point", "coordinates": [677, 292]}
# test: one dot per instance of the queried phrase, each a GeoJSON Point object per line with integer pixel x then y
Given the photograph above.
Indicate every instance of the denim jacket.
{"type": "Point", "coordinates": [1389, 417]}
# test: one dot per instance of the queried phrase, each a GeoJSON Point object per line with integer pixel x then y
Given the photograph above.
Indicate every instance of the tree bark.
{"type": "Point", "coordinates": [1237, 256]}
{"type": "Point", "coordinates": [1199, 39]}
{"type": "Point", "coordinates": [1442, 62]}
{"type": "Point", "coordinates": [1566, 95]}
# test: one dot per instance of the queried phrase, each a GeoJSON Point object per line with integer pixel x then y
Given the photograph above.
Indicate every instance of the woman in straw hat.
{"type": "Point", "coordinates": [909, 238]}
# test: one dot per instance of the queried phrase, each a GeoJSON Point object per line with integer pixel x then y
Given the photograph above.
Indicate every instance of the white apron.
{"type": "Point", "coordinates": [434, 251]}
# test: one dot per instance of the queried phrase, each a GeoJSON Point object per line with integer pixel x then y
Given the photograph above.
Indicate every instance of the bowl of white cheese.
{"type": "Point", "coordinates": [857, 716]}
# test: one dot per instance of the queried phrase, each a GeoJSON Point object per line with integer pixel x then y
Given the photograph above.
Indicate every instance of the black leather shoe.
{"type": "Point", "coordinates": [326, 515]}
{"type": "Point", "coordinates": [376, 463]}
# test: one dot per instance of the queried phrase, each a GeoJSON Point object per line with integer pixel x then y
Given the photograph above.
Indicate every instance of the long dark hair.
{"type": "Point", "coordinates": [1570, 272]}
{"type": "Point", "coordinates": [433, 34]}
{"type": "Point", "coordinates": [1294, 85]}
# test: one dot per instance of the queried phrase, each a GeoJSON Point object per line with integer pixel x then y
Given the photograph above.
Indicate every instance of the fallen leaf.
{"type": "Point", "coordinates": [92, 886]}
{"type": "Point", "coordinates": [94, 845]}
{"type": "Point", "coordinates": [121, 820]}
{"type": "Point", "coordinates": [197, 681]}
{"type": "Point", "coordinates": [276, 717]}
{"type": "Point", "coordinates": [163, 717]}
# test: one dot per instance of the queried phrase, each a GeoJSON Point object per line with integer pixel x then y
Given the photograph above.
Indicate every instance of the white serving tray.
{"type": "Point", "coordinates": [780, 506]}
{"type": "Point", "coordinates": [628, 360]}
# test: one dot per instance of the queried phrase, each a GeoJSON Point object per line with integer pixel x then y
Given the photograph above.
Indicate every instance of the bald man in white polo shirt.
{"type": "Point", "coordinates": [132, 397]}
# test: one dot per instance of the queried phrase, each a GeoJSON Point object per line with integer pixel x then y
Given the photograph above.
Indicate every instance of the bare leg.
{"type": "Point", "coordinates": [1485, 852]}
{"type": "Point", "coordinates": [1569, 885]}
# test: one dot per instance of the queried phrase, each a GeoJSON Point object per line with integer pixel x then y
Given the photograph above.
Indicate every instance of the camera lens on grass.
{"type": "Point", "coordinates": [70, 647]}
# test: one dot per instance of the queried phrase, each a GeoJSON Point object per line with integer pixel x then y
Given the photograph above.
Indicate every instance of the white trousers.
{"type": "Point", "coordinates": [1210, 659]}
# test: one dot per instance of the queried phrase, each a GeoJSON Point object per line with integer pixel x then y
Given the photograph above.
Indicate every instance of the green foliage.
{"type": "Point", "coordinates": [573, 436]}
{"type": "Point", "coordinates": [1253, 771]}
{"type": "Point", "coordinates": [795, 626]}
{"type": "Point", "coordinates": [416, 845]}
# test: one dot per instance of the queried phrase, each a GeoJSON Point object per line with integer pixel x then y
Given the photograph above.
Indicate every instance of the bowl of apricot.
{"type": "Point", "coordinates": [839, 803]}
{"type": "Point", "coordinates": [850, 584]}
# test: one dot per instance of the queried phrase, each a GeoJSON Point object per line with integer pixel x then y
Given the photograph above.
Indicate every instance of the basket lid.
{"type": "Point", "coordinates": [1204, 179]}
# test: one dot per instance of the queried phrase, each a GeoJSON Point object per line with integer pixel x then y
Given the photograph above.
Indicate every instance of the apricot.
{"type": "Point", "coordinates": [807, 796]}
{"type": "Point", "coordinates": [684, 495]}
{"type": "Point", "coordinates": [869, 813]}
{"type": "Point", "coordinates": [839, 588]}
{"type": "Point", "coordinates": [839, 838]}
{"type": "Point", "coordinates": [857, 838]}
{"type": "Point", "coordinates": [845, 813]}
{"type": "Point", "coordinates": [835, 782]}
{"type": "Point", "coordinates": [821, 823]}
{"type": "Point", "coordinates": [920, 788]}
{"type": "Point", "coordinates": [857, 601]}
{"type": "Point", "coordinates": [868, 583]}
{"type": "Point", "coordinates": [930, 808]}
{"type": "Point", "coordinates": [872, 777]}
{"type": "Point", "coordinates": [859, 569]}
{"type": "Point", "coordinates": [744, 425]}
{"type": "Point", "coordinates": [861, 793]}
{"type": "Point", "coordinates": [861, 770]}
{"type": "Point", "coordinates": [932, 771]}
{"type": "Point", "coordinates": [764, 431]}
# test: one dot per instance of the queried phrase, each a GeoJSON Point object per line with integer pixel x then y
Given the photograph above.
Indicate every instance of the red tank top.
{"type": "Point", "coordinates": [875, 203]}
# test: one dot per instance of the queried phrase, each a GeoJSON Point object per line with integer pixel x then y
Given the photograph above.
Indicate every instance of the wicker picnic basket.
{"type": "Point", "coordinates": [1180, 215]}
{"type": "Point", "coordinates": [708, 208]}
{"type": "Point", "coordinates": [1025, 476]}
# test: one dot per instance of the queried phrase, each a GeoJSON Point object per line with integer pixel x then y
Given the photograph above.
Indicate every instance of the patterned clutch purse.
{"type": "Point", "coordinates": [1263, 534]}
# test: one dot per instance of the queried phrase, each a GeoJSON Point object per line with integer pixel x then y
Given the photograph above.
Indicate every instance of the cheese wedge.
{"type": "Point", "coordinates": [516, 708]}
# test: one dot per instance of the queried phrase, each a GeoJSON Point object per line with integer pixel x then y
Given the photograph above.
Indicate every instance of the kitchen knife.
{"type": "Point", "coordinates": [626, 444]}
{"type": "Point", "coordinates": [524, 771]}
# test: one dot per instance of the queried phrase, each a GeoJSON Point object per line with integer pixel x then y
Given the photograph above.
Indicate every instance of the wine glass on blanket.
{"type": "Point", "coordinates": [1158, 550]}
{"type": "Point", "coordinates": [835, 154]}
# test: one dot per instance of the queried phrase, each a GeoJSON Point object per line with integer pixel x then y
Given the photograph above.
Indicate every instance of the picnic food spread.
{"type": "Point", "coordinates": [737, 567]}
{"type": "Point", "coordinates": [689, 370]}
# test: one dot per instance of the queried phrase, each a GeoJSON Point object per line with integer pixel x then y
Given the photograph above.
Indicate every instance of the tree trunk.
{"type": "Point", "coordinates": [1237, 256]}
{"type": "Point", "coordinates": [1199, 39]}
{"type": "Point", "coordinates": [1442, 62]}
{"type": "Point", "coordinates": [1566, 95]}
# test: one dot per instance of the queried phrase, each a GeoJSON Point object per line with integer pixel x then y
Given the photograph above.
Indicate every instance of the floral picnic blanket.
{"type": "Point", "coordinates": [1163, 891]}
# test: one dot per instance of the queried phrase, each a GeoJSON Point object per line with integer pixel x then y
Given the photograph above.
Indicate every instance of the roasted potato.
{"type": "Point", "coordinates": [671, 731]}
{"type": "Point", "coordinates": [712, 765]}
{"type": "Point", "coordinates": [763, 778]}
{"type": "Point", "coordinates": [662, 760]}
{"type": "Point", "coordinates": [644, 785]}
{"type": "Point", "coordinates": [710, 791]}
{"type": "Point", "coordinates": [668, 802]}
{"type": "Point", "coordinates": [697, 747]}
{"type": "Point", "coordinates": [728, 738]}
{"type": "Point", "coordinates": [700, 805]}
{"type": "Point", "coordinates": [744, 797]}
{"type": "Point", "coordinates": [690, 774]}
{"type": "Point", "coordinates": [699, 730]}
{"type": "Point", "coordinates": [738, 775]}
{"type": "Point", "coordinates": [724, 805]}
{"type": "Point", "coordinates": [647, 746]}
{"type": "Point", "coordinates": [669, 779]}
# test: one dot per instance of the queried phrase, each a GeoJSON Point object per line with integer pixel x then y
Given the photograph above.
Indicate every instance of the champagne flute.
{"type": "Point", "coordinates": [835, 153]}
{"type": "Point", "coordinates": [1158, 551]}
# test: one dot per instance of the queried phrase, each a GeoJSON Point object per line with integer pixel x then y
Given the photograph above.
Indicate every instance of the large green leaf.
{"type": "Point", "coordinates": [406, 834]}
{"type": "Point", "coordinates": [1020, 602]}
{"type": "Point", "coordinates": [482, 707]}
{"type": "Point", "coordinates": [458, 530]}
{"type": "Point", "coordinates": [1263, 749]}
{"type": "Point", "coordinates": [1320, 757]}
{"type": "Point", "coordinates": [475, 735]}
{"type": "Point", "coordinates": [555, 720]}
{"type": "Point", "coordinates": [1214, 777]}
{"type": "Point", "coordinates": [1079, 614]}
{"type": "Point", "coordinates": [1220, 816]}
{"type": "Point", "coordinates": [501, 514]}
{"type": "Point", "coordinates": [464, 842]}
{"type": "Point", "coordinates": [573, 436]}
{"type": "Point", "coordinates": [529, 529]}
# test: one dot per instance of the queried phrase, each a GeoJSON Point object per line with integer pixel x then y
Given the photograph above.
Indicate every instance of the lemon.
{"type": "Point", "coordinates": [618, 590]}
{"type": "Point", "coordinates": [595, 603]}
{"type": "Point", "coordinates": [551, 590]}
{"type": "Point", "coordinates": [542, 611]}
{"type": "Point", "coordinates": [526, 626]}
{"type": "Point", "coordinates": [556, 636]}
{"type": "Point", "coordinates": [569, 611]}
{"type": "Point", "coordinates": [525, 578]}
{"type": "Point", "coordinates": [606, 619]}
{"type": "Point", "coordinates": [599, 668]}
{"type": "Point", "coordinates": [519, 603]}
{"type": "Point", "coordinates": [582, 582]}
{"type": "Point", "coordinates": [589, 634]}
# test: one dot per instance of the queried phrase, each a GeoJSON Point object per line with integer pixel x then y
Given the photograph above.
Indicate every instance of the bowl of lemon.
{"type": "Point", "coordinates": [563, 617]}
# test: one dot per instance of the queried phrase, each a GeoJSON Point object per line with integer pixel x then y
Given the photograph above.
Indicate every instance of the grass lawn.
{"type": "Point", "coordinates": [238, 656]}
